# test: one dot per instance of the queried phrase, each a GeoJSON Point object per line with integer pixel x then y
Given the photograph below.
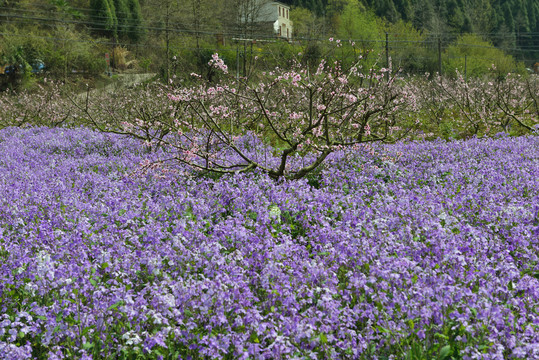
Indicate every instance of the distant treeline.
{"type": "Point", "coordinates": [64, 39]}
{"type": "Point", "coordinates": [509, 24]}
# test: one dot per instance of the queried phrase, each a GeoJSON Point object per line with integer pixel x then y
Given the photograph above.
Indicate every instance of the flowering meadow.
{"type": "Point", "coordinates": [417, 250]}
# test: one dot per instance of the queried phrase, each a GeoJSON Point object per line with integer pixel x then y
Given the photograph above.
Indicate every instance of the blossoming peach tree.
{"type": "Point", "coordinates": [480, 106]}
{"type": "Point", "coordinates": [47, 105]}
{"type": "Point", "coordinates": [518, 101]}
{"type": "Point", "coordinates": [237, 124]}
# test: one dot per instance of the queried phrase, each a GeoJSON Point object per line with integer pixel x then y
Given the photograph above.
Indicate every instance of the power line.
{"type": "Point", "coordinates": [133, 29]}
{"type": "Point", "coordinates": [146, 45]}
{"type": "Point", "coordinates": [128, 28]}
{"type": "Point", "coordinates": [172, 24]}
{"type": "Point", "coordinates": [507, 35]}
{"type": "Point", "coordinates": [89, 10]}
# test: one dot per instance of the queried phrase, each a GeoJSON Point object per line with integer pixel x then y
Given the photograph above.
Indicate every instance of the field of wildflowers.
{"type": "Point", "coordinates": [418, 250]}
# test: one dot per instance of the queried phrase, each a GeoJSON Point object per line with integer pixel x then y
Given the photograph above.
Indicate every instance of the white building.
{"type": "Point", "coordinates": [278, 15]}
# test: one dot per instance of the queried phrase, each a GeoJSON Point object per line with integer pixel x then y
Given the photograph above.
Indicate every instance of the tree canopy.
{"type": "Point", "coordinates": [508, 24]}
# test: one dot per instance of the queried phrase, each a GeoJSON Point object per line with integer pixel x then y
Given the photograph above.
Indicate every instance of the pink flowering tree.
{"type": "Point", "coordinates": [239, 125]}
{"type": "Point", "coordinates": [479, 106]}
{"type": "Point", "coordinates": [472, 102]}
{"type": "Point", "coordinates": [517, 101]}
{"type": "Point", "coordinates": [144, 112]}
{"type": "Point", "coordinates": [46, 106]}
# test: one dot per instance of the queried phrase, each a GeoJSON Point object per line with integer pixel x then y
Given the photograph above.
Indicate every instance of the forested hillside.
{"type": "Point", "coordinates": [88, 38]}
{"type": "Point", "coordinates": [509, 24]}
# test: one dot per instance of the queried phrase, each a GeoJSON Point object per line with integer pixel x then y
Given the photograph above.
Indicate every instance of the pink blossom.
{"type": "Point", "coordinates": [294, 116]}
{"type": "Point", "coordinates": [218, 63]}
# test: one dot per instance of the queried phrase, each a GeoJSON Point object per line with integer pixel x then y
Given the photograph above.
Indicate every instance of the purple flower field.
{"type": "Point", "coordinates": [431, 256]}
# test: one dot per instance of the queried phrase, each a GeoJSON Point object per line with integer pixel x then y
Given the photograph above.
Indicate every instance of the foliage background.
{"type": "Point", "coordinates": [174, 38]}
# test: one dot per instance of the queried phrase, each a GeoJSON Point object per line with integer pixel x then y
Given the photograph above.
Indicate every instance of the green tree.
{"type": "Point", "coordinates": [122, 15]}
{"type": "Point", "coordinates": [507, 16]}
{"type": "Point", "coordinates": [334, 9]}
{"type": "Point", "coordinates": [533, 12]}
{"type": "Point", "coordinates": [318, 7]}
{"type": "Point", "coordinates": [407, 48]}
{"type": "Point", "coordinates": [135, 21]}
{"type": "Point", "coordinates": [476, 57]}
{"type": "Point", "coordinates": [117, 19]}
{"type": "Point", "coordinates": [405, 9]}
{"type": "Point", "coordinates": [357, 23]}
{"type": "Point", "coordinates": [306, 24]}
{"type": "Point", "coordinates": [423, 14]}
{"type": "Point", "coordinates": [386, 9]}
{"type": "Point", "coordinates": [103, 17]}
{"type": "Point", "coordinates": [522, 23]}
{"type": "Point", "coordinates": [363, 28]}
{"type": "Point", "coordinates": [481, 14]}
{"type": "Point", "coordinates": [456, 18]}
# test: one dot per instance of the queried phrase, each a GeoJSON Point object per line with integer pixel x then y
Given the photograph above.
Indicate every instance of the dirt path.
{"type": "Point", "coordinates": [125, 80]}
{"type": "Point", "coordinates": [121, 81]}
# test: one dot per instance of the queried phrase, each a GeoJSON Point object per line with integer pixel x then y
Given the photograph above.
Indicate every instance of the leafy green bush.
{"type": "Point", "coordinates": [476, 57]}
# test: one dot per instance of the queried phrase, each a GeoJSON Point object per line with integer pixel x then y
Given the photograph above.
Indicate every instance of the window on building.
{"type": "Point", "coordinates": [279, 10]}
{"type": "Point", "coordinates": [287, 14]}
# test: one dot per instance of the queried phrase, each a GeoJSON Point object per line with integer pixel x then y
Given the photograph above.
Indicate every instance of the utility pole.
{"type": "Point", "coordinates": [440, 56]}
{"type": "Point", "coordinates": [167, 40]}
{"type": "Point", "coordinates": [465, 68]}
{"type": "Point", "coordinates": [237, 62]}
{"type": "Point", "coordinates": [387, 54]}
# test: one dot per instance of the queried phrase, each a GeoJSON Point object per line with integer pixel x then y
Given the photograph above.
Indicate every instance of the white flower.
{"type": "Point", "coordinates": [169, 300]}
{"type": "Point", "coordinates": [132, 338]}
{"type": "Point", "coordinates": [45, 267]}
{"type": "Point", "coordinates": [275, 213]}
{"type": "Point", "coordinates": [31, 288]}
